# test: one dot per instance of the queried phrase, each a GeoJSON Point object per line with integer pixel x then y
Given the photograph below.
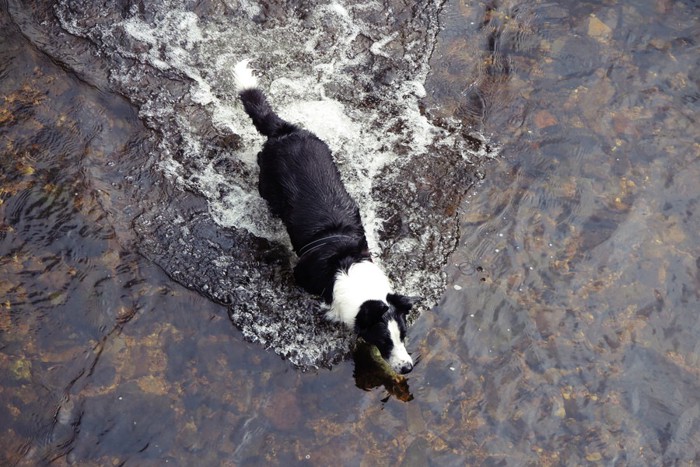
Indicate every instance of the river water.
{"type": "Point", "coordinates": [528, 168]}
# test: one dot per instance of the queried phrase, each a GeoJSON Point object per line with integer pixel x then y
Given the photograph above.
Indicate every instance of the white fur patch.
{"type": "Point", "coordinates": [399, 357]}
{"type": "Point", "coordinates": [244, 77]}
{"type": "Point", "coordinates": [363, 281]}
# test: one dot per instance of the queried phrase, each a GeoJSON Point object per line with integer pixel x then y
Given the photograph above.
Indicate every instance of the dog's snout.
{"type": "Point", "coordinates": [400, 360]}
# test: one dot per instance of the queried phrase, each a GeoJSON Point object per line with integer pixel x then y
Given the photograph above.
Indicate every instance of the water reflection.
{"type": "Point", "coordinates": [372, 372]}
{"type": "Point", "coordinates": [568, 333]}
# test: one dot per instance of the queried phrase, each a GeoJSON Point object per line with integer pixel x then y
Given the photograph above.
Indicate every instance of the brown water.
{"type": "Point", "coordinates": [568, 330]}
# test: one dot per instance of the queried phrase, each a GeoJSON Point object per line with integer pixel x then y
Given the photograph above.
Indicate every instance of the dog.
{"type": "Point", "coordinates": [302, 186]}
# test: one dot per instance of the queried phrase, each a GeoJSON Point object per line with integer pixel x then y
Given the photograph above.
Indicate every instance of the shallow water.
{"type": "Point", "coordinates": [565, 329]}
{"type": "Point", "coordinates": [174, 61]}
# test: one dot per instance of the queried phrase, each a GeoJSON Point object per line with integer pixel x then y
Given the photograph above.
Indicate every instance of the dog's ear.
{"type": "Point", "coordinates": [402, 303]}
{"type": "Point", "coordinates": [370, 314]}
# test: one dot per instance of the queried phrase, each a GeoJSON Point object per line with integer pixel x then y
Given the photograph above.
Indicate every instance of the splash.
{"type": "Point", "coordinates": [352, 73]}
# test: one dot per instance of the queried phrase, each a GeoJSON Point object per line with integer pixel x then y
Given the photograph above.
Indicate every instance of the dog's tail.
{"type": "Point", "coordinates": [256, 106]}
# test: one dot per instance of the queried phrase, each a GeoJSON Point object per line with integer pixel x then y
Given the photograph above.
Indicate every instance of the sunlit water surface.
{"type": "Point", "coordinates": [145, 294]}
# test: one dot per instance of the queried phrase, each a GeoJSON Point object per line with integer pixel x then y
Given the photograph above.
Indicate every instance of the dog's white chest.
{"type": "Point", "coordinates": [363, 281]}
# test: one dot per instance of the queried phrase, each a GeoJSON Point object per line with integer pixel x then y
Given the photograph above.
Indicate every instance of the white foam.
{"type": "Point", "coordinates": [310, 71]}
{"type": "Point", "coordinates": [327, 119]}
{"type": "Point", "coordinates": [251, 9]}
{"type": "Point", "coordinates": [207, 54]}
{"type": "Point", "coordinates": [377, 47]}
{"type": "Point", "coordinates": [339, 9]}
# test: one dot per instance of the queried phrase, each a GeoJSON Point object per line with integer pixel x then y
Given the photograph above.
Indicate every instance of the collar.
{"type": "Point", "coordinates": [319, 242]}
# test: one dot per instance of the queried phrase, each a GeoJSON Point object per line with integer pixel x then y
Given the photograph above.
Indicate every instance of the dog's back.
{"type": "Point", "coordinates": [303, 187]}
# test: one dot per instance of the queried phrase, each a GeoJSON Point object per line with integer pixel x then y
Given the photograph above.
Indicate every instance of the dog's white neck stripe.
{"type": "Point", "coordinates": [394, 333]}
{"type": "Point", "coordinates": [363, 281]}
{"type": "Point", "coordinates": [399, 356]}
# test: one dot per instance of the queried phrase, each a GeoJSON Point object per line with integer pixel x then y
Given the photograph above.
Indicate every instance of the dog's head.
{"type": "Point", "coordinates": [383, 324]}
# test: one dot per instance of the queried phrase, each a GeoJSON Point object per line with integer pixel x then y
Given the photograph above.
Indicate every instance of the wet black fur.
{"type": "Point", "coordinates": [302, 186]}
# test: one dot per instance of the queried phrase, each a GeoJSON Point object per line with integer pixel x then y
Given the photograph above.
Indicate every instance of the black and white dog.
{"type": "Point", "coordinates": [302, 186]}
